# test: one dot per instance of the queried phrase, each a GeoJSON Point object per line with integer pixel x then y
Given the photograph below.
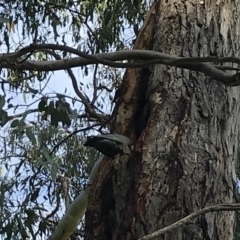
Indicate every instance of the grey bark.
{"type": "Point", "coordinates": [185, 128]}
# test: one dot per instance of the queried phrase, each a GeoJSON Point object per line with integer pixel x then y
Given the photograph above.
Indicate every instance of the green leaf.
{"type": "Point", "coordinates": [21, 227]}
{"type": "Point", "coordinates": [8, 229]}
{"type": "Point", "coordinates": [44, 164]}
{"type": "Point", "coordinates": [4, 20]}
{"type": "Point", "coordinates": [47, 156]}
{"type": "Point", "coordinates": [22, 124]}
{"type": "Point", "coordinates": [54, 171]}
{"type": "Point", "coordinates": [54, 119]}
{"type": "Point", "coordinates": [42, 226]}
{"type": "Point", "coordinates": [24, 97]}
{"type": "Point", "coordinates": [42, 106]}
{"type": "Point", "coordinates": [35, 195]}
{"type": "Point", "coordinates": [3, 117]}
{"type": "Point", "coordinates": [31, 136]}
{"type": "Point", "coordinates": [14, 123]}
{"type": "Point", "coordinates": [2, 101]}
{"type": "Point", "coordinates": [25, 115]}
{"type": "Point", "coordinates": [73, 114]}
{"type": "Point", "coordinates": [19, 166]}
{"type": "Point", "coordinates": [51, 106]}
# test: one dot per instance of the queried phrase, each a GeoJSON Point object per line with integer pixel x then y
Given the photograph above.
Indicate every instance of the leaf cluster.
{"type": "Point", "coordinates": [38, 153]}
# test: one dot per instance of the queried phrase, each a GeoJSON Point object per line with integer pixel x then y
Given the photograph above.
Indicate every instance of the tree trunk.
{"type": "Point", "coordinates": [185, 129]}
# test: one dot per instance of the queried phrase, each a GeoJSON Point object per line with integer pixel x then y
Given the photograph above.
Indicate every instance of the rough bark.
{"type": "Point", "coordinates": [185, 128]}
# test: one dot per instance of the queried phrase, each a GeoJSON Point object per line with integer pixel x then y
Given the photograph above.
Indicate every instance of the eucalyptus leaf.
{"type": "Point", "coordinates": [54, 170]}
{"type": "Point", "coordinates": [15, 123]}
{"type": "Point", "coordinates": [4, 20]}
{"type": "Point", "coordinates": [31, 136]}
{"type": "Point", "coordinates": [2, 101]}
{"type": "Point", "coordinates": [47, 156]}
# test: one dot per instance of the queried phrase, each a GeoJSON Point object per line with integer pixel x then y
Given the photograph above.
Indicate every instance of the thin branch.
{"type": "Point", "coordinates": [189, 218]}
{"type": "Point", "coordinates": [70, 135]}
{"type": "Point", "coordinates": [93, 34]}
{"type": "Point", "coordinates": [29, 54]}
{"type": "Point", "coordinates": [95, 88]}
{"type": "Point", "coordinates": [89, 110]}
{"type": "Point", "coordinates": [22, 114]}
{"type": "Point", "coordinates": [101, 87]}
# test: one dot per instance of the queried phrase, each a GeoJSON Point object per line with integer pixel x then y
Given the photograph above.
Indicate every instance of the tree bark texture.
{"type": "Point", "coordinates": [185, 129]}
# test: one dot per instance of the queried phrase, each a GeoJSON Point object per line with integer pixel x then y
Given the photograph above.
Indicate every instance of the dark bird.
{"type": "Point", "coordinates": [109, 144]}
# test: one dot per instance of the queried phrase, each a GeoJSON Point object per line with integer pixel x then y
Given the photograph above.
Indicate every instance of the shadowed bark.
{"type": "Point", "coordinates": [185, 129]}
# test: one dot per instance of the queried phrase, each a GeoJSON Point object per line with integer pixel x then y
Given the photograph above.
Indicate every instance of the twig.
{"type": "Point", "coordinates": [189, 218]}
{"type": "Point", "coordinates": [70, 135]}
{"type": "Point", "coordinates": [22, 114]}
{"type": "Point", "coordinates": [95, 88]}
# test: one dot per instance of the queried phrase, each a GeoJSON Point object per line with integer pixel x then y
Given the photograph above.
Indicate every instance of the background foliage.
{"type": "Point", "coordinates": [43, 165]}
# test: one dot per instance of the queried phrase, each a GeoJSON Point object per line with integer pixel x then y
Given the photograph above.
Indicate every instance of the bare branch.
{"type": "Point", "coordinates": [71, 134]}
{"type": "Point", "coordinates": [95, 87]}
{"type": "Point", "coordinates": [189, 218]}
{"type": "Point", "coordinates": [22, 114]}
{"type": "Point", "coordinates": [150, 58]}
